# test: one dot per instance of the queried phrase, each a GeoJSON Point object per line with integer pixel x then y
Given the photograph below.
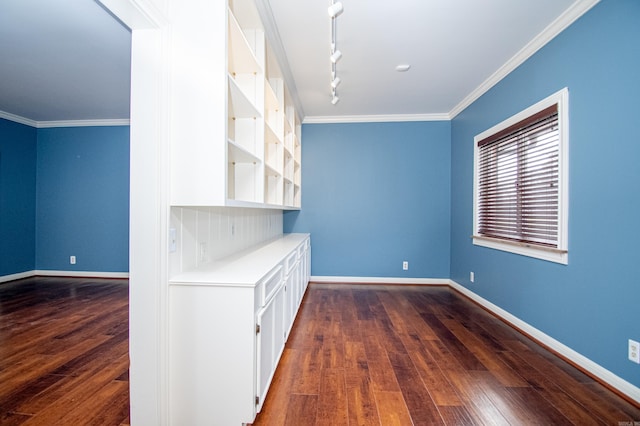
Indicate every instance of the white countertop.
{"type": "Point", "coordinates": [245, 268]}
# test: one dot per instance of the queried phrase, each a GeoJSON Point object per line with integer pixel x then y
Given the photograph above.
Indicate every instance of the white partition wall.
{"type": "Point", "coordinates": [195, 141]}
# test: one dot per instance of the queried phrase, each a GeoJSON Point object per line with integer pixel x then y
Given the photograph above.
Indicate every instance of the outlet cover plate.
{"type": "Point", "coordinates": [634, 351]}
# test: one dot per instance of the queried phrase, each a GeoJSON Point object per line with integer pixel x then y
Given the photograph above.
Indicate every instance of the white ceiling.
{"type": "Point", "coordinates": [453, 46]}
{"type": "Point", "coordinates": [63, 60]}
{"type": "Point", "coordinates": [70, 60]}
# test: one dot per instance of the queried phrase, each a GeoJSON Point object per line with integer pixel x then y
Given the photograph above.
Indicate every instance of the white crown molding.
{"type": "Point", "coordinates": [375, 118]}
{"type": "Point", "coordinates": [18, 119]}
{"type": "Point", "coordinates": [378, 280]}
{"type": "Point", "coordinates": [138, 14]}
{"type": "Point", "coordinates": [83, 123]}
{"type": "Point", "coordinates": [574, 12]}
{"type": "Point", "coordinates": [585, 363]}
{"type": "Point", "coordinates": [64, 123]}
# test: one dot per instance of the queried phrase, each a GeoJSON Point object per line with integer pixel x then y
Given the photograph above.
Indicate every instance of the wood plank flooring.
{"type": "Point", "coordinates": [357, 355]}
{"type": "Point", "coordinates": [64, 352]}
{"type": "Point", "coordinates": [402, 355]}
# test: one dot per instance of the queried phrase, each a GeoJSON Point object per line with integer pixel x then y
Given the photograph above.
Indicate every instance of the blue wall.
{"type": "Point", "coordinates": [375, 194]}
{"type": "Point", "coordinates": [591, 305]}
{"type": "Point", "coordinates": [17, 197]}
{"type": "Point", "coordinates": [83, 199]}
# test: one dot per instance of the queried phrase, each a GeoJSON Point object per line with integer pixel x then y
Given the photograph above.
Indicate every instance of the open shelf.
{"type": "Point", "coordinates": [241, 105]}
{"type": "Point", "coordinates": [243, 161]}
{"type": "Point", "coordinates": [243, 182]}
{"type": "Point", "coordinates": [270, 98]}
{"type": "Point", "coordinates": [273, 189]}
{"type": "Point", "coordinates": [241, 56]}
{"type": "Point", "coordinates": [270, 136]}
{"type": "Point", "coordinates": [239, 154]}
{"type": "Point", "coordinates": [289, 193]}
{"type": "Point", "coordinates": [273, 152]}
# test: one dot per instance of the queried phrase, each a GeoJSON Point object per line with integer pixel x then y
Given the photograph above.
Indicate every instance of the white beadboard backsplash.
{"type": "Point", "coordinates": [206, 234]}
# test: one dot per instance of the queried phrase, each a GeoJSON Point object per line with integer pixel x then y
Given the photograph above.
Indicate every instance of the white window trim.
{"type": "Point", "coordinates": [559, 255]}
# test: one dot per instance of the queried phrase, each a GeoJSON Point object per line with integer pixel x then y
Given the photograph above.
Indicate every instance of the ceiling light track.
{"type": "Point", "coordinates": [335, 10]}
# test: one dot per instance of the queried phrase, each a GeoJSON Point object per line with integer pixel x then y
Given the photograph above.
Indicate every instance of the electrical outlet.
{"type": "Point", "coordinates": [472, 276]}
{"type": "Point", "coordinates": [634, 351]}
{"type": "Point", "coordinates": [405, 265]}
{"type": "Point", "coordinates": [172, 240]}
{"type": "Point", "coordinates": [203, 252]}
{"type": "Point", "coordinates": [72, 260]}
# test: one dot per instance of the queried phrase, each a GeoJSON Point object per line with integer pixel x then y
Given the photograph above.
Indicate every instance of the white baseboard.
{"type": "Point", "coordinates": [51, 273]}
{"type": "Point", "coordinates": [18, 276]}
{"type": "Point", "coordinates": [80, 274]}
{"type": "Point", "coordinates": [604, 375]}
{"type": "Point", "coordinates": [379, 280]}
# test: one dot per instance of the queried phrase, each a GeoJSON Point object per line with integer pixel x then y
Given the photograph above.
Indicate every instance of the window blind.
{"type": "Point", "coordinates": [518, 173]}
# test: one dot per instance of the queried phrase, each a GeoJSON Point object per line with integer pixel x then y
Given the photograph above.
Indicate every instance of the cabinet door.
{"type": "Point", "coordinates": [269, 342]}
{"type": "Point", "coordinates": [299, 283]}
{"type": "Point", "coordinates": [279, 335]}
{"type": "Point", "coordinates": [264, 349]}
{"type": "Point", "coordinates": [307, 267]}
{"type": "Point", "coordinates": [290, 302]}
{"type": "Point", "coordinates": [286, 309]}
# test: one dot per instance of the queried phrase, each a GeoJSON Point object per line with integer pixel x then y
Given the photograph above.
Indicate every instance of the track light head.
{"type": "Point", "coordinates": [335, 9]}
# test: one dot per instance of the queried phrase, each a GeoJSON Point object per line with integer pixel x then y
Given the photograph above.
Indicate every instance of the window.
{"type": "Point", "coordinates": [520, 182]}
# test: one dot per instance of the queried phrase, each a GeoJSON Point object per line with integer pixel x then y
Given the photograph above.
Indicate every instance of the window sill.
{"type": "Point", "coordinates": [543, 253]}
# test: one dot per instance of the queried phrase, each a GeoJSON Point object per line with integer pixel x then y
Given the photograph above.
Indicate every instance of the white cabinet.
{"type": "Point", "coordinates": [228, 326]}
{"type": "Point", "coordinates": [292, 265]}
{"type": "Point", "coordinates": [270, 342]}
{"type": "Point", "coordinates": [238, 144]}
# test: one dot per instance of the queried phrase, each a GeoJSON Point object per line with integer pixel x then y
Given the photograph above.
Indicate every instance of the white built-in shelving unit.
{"type": "Point", "coordinates": [235, 280]}
{"type": "Point", "coordinates": [255, 139]}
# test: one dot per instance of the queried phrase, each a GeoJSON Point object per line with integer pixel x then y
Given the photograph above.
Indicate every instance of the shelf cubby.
{"type": "Point", "coordinates": [273, 187]}
{"type": "Point", "coordinates": [234, 155]}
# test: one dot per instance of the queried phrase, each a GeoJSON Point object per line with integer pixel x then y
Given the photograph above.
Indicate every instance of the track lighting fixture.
{"type": "Point", "coordinates": [335, 9]}
{"type": "Point", "coordinates": [335, 56]}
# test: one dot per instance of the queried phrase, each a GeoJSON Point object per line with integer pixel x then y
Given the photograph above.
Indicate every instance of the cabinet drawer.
{"type": "Point", "coordinates": [290, 262]}
{"type": "Point", "coordinates": [270, 284]}
{"type": "Point", "coordinates": [301, 250]}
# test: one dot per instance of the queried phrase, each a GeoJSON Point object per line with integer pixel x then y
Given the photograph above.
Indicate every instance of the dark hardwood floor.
{"type": "Point", "coordinates": [64, 352]}
{"type": "Point", "coordinates": [402, 355]}
{"type": "Point", "coordinates": [357, 355]}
